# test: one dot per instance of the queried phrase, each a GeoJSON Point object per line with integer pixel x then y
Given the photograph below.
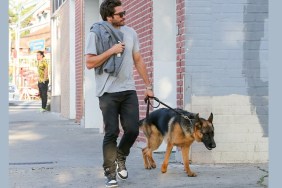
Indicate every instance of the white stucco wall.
{"type": "Point", "coordinates": [92, 113]}
{"type": "Point", "coordinates": [164, 53]}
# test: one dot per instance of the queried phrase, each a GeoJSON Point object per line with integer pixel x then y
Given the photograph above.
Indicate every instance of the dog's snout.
{"type": "Point", "coordinates": [211, 145]}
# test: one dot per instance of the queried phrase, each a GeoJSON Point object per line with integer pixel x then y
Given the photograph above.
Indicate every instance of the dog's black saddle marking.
{"type": "Point", "coordinates": [161, 117]}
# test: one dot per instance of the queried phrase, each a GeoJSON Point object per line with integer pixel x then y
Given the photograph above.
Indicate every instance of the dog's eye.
{"type": "Point", "coordinates": [208, 134]}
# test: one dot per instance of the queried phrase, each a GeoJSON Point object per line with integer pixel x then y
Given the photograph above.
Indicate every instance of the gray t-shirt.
{"type": "Point", "coordinates": [125, 80]}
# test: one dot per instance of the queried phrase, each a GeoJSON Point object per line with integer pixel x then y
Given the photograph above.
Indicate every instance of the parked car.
{"type": "Point", "coordinates": [14, 94]}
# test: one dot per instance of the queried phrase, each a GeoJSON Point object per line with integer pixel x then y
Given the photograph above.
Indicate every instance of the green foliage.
{"type": "Point", "coordinates": [13, 18]}
{"type": "Point", "coordinates": [14, 11]}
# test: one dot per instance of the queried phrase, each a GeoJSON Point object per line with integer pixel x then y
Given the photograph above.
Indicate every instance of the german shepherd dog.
{"type": "Point", "coordinates": [166, 124]}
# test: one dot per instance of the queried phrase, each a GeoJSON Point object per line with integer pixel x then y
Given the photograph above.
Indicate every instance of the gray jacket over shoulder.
{"type": "Point", "coordinates": [107, 36]}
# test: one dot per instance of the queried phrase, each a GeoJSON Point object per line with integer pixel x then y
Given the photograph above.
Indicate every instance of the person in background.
{"type": "Point", "coordinates": [43, 79]}
{"type": "Point", "coordinates": [112, 49]}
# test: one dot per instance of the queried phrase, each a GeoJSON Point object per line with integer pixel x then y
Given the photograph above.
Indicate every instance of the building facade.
{"type": "Point", "coordinates": [202, 56]}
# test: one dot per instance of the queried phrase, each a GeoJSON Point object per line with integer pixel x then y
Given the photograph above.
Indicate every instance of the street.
{"type": "Point", "coordinates": [47, 150]}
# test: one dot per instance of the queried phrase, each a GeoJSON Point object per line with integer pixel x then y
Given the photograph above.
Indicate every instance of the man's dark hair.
{"type": "Point", "coordinates": [107, 8]}
{"type": "Point", "coordinates": [41, 53]}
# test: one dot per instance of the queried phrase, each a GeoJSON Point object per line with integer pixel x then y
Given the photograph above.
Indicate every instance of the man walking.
{"type": "Point", "coordinates": [112, 49]}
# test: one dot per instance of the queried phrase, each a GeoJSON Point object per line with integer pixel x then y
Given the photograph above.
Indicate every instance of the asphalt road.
{"type": "Point", "coordinates": [47, 150]}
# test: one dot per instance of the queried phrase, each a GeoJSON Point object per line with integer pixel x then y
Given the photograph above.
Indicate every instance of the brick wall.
{"type": "Point", "coordinates": [139, 16]}
{"type": "Point", "coordinates": [180, 50]}
{"type": "Point", "coordinates": [79, 38]}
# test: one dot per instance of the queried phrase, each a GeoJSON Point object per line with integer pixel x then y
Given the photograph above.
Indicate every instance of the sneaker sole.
{"type": "Point", "coordinates": [105, 177]}
{"type": "Point", "coordinates": [111, 185]}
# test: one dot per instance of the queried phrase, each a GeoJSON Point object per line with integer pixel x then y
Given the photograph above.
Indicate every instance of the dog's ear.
{"type": "Point", "coordinates": [210, 118]}
{"type": "Point", "coordinates": [197, 118]}
{"type": "Point", "coordinates": [198, 121]}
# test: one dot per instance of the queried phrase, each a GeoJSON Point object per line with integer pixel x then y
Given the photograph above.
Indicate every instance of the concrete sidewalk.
{"type": "Point", "coordinates": [47, 150]}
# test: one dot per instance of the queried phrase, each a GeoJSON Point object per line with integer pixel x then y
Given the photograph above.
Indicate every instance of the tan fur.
{"type": "Point", "coordinates": [174, 137]}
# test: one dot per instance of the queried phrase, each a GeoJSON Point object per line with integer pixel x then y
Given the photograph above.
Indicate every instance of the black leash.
{"type": "Point", "coordinates": [147, 100]}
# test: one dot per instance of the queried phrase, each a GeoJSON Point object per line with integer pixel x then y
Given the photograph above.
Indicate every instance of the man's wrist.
{"type": "Point", "coordinates": [149, 87]}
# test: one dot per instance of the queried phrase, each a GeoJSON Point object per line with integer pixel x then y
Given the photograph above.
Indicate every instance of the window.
{"type": "Point", "coordinates": [56, 4]}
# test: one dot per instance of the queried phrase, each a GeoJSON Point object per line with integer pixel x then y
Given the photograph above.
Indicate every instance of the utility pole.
{"type": "Point", "coordinates": [17, 44]}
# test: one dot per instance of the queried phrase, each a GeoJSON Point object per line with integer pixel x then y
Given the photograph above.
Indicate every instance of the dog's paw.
{"type": "Point", "coordinates": [164, 168]}
{"type": "Point", "coordinates": [152, 163]}
{"type": "Point", "coordinates": [148, 167]}
{"type": "Point", "coordinates": [191, 174]}
{"type": "Point", "coordinates": [151, 166]}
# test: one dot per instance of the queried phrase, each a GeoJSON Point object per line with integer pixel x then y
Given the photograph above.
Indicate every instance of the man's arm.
{"type": "Point", "coordinates": [93, 60]}
{"type": "Point", "coordinates": [45, 72]}
{"type": "Point", "coordinates": [141, 68]}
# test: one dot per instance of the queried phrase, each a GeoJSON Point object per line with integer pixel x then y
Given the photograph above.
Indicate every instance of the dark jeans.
{"type": "Point", "coordinates": [43, 89]}
{"type": "Point", "coordinates": [121, 106]}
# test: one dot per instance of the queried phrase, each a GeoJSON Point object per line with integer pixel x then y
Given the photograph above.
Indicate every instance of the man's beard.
{"type": "Point", "coordinates": [118, 24]}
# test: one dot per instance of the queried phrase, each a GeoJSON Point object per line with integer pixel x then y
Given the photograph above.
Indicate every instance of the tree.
{"type": "Point", "coordinates": [16, 11]}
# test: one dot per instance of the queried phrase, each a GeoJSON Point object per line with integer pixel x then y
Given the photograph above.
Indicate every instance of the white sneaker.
{"type": "Point", "coordinates": [110, 181]}
{"type": "Point", "coordinates": [42, 110]}
{"type": "Point", "coordinates": [122, 172]}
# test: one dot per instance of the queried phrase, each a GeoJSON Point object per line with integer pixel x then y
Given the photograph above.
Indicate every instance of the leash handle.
{"type": "Point", "coordinates": [147, 100]}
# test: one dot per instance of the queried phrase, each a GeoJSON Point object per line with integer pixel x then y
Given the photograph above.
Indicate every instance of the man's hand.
{"type": "Point", "coordinates": [118, 48]}
{"type": "Point", "coordinates": [149, 92]}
